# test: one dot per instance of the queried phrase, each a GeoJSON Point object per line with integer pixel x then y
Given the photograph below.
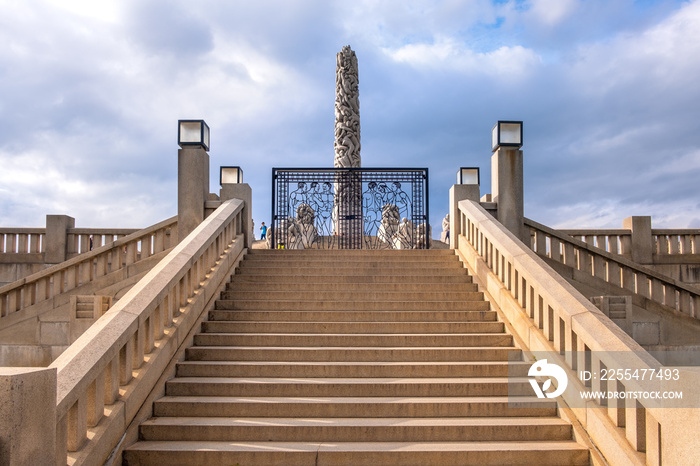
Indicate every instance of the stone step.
{"type": "Point", "coordinates": [350, 387]}
{"type": "Point", "coordinates": [349, 306]}
{"type": "Point", "coordinates": [335, 287]}
{"type": "Point", "coordinates": [356, 429]}
{"type": "Point", "coordinates": [435, 340]}
{"type": "Point", "coordinates": [314, 453]}
{"type": "Point", "coordinates": [347, 369]}
{"type": "Point", "coordinates": [388, 256]}
{"type": "Point", "coordinates": [418, 269]}
{"type": "Point", "coordinates": [371, 253]}
{"type": "Point", "coordinates": [381, 315]}
{"type": "Point", "coordinates": [352, 327]}
{"type": "Point", "coordinates": [380, 266]}
{"type": "Point", "coordinates": [340, 354]}
{"type": "Point", "coordinates": [393, 407]}
{"type": "Point", "coordinates": [351, 296]}
{"type": "Point", "coordinates": [311, 277]}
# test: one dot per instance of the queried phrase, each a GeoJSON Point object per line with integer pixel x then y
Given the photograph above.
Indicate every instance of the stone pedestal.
{"type": "Point", "coordinates": [57, 227]}
{"type": "Point", "coordinates": [243, 192]}
{"type": "Point", "coordinates": [192, 188]}
{"type": "Point", "coordinates": [642, 240]}
{"type": "Point", "coordinates": [507, 190]}
{"type": "Point", "coordinates": [27, 416]}
{"type": "Point", "coordinates": [460, 192]}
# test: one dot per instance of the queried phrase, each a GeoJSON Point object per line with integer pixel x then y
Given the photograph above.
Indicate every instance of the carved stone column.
{"type": "Point", "coordinates": [348, 189]}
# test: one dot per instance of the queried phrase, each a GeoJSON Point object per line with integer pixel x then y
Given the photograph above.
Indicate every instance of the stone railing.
{"type": "Point", "coordinates": [548, 316]}
{"type": "Point", "coordinates": [22, 240]}
{"type": "Point", "coordinates": [614, 269]}
{"type": "Point", "coordinates": [32, 241]}
{"type": "Point", "coordinates": [664, 242]}
{"type": "Point", "coordinates": [613, 241]}
{"type": "Point", "coordinates": [40, 291]}
{"type": "Point", "coordinates": [676, 242]}
{"type": "Point", "coordinates": [81, 240]}
{"type": "Point", "coordinates": [105, 377]}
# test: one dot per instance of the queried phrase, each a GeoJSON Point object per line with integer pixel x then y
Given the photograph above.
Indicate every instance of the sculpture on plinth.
{"type": "Point", "coordinates": [302, 231]}
{"type": "Point", "coordinates": [423, 238]}
{"type": "Point", "coordinates": [445, 236]}
{"type": "Point", "coordinates": [348, 188]}
{"type": "Point", "coordinates": [405, 233]}
{"type": "Point", "coordinates": [389, 224]}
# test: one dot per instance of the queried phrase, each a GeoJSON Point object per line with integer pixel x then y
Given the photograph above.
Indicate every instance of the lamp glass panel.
{"type": "Point", "coordinates": [229, 176]}
{"type": "Point", "coordinates": [190, 131]}
{"type": "Point", "coordinates": [206, 136]}
{"type": "Point", "coordinates": [494, 136]}
{"type": "Point", "coordinates": [510, 133]}
{"type": "Point", "coordinates": [469, 176]}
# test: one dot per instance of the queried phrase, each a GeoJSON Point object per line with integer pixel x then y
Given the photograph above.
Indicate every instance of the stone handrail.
{"type": "Point", "coordinates": [22, 240]}
{"type": "Point", "coordinates": [614, 269]}
{"type": "Point", "coordinates": [665, 242]}
{"type": "Point", "coordinates": [78, 239]}
{"type": "Point", "coordinates": [104, 378]}
{"type": "Point", "coordinates": [674, 242]}
{"type": "Point", "coordinates": [613, 241]}
{"type": "Point", "coordinates": [548, 315]}
{"type": "Point", "coordinates": [61, 278]}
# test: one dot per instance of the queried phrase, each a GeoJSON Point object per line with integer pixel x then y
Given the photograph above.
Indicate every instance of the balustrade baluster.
{"type": "Point", "coordinates": [684, 302]}
{"type": "Point", "coordinates": [643, 285]}
{"type": "Point", "coordinates": [628, 279]}
{"type": "Point", "coordinates": [22, 243]}
{"type": "Point", "coordinates": [657, 290]}
{"type": "Point", "coordinates": [126, 359]}
{"type": "Point", "coordinates": [96, 400]}
{"type": "Point", "coordinates": [662, 244]}
{"type": "Point", "coordinates": [77, 424]}
{"type": "Point", "coordinates": [111, 379]}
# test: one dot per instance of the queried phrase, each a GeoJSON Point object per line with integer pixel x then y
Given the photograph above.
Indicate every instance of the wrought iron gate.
{"type": "Point", "coordinates": [350, 208]}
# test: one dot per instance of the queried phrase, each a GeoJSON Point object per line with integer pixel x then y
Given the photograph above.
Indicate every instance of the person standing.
{"type": "Point", "coordinates": [263, 228]}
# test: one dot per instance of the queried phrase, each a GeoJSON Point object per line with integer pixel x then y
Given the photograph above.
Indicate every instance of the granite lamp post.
{"type": "Point", "coordinates": [467, 188]}
{"type": "Point", "coordinates": [192, 174]}
{"type": "Point", "coordinates": [233, 187]}
{"type": "Point", "coordinates": [507, 176]}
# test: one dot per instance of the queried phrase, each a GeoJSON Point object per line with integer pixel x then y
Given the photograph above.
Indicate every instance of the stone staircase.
{"type": "Point", "coordinates": [352, 358]}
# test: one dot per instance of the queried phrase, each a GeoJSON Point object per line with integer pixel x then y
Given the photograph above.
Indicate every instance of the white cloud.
{"type": "Point", "coordinates": [446, 53]}
{"type": "Point", "coordinates": [551, 12]}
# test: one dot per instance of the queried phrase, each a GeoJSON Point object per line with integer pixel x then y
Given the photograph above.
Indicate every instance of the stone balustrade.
{"type": "Point", "coordinates": [675, 242]}
{"type": "Point", "coordinates": [105, 377]}
{"type": "Point", "coordinates": [548, 316]}
{"type": "Point", "coordinates": [78, 239]}
{"type": "Point", "coordinates": [613, 241]}
{"type": "Point", "coordinates": [618, 271]}
{"type": "Point", "coordinates": [42, 289]}
{"type": "Point", "coordinates": [665, 242]}
{"type": "Point", "coordinates": [22, 240]}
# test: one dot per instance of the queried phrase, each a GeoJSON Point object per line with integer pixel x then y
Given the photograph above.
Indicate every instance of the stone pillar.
{"type": "Point", "coordinates": [348, 189]}
{"type": "Point", "coordinates": [56, 238]}
{"type": "Point", "coordinates": [27, 416]}
{"type": "Point", "coordinates": [507, 190]}
{"type": "Point", "coordinates": [243, 192]}
{"type": "Point", "coordinates": [192, 188]}
{"type": "Point", "coordinates": [642, 240]}
{"type": "Point", "coordinates": [460, 192]}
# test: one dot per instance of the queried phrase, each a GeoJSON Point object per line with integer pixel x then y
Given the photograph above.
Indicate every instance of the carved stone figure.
{"type": "Point", "coordinates": [348, 195]}
{"type": "Point", "coordinates": [403, 238]}
{"type": "Point", "coordinates": [421, 236]}
{"type": "Point", "coordinates": [302, 231]}
{"type": "Point", "coordinates": [389, 224]}
{"type": "Point", "coordinates": [347, 110]}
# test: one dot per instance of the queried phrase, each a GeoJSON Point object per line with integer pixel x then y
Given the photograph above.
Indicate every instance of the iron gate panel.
{"type": "Point", "coordinates": [350, 208]}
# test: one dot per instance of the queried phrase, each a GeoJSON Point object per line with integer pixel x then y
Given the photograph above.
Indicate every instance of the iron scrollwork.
{"type": "Point", "coordinates": [350, 208]}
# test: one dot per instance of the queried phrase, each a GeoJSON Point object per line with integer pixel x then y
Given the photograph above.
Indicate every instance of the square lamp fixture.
{"type": "Point", "coordinates": [230, 175]}
{"type": "Point", "coordinates": [507, 134]}
{"type": "Point", "coordinates": [468, 175]}
{"type": "Point", "coordinates": [193, 133]}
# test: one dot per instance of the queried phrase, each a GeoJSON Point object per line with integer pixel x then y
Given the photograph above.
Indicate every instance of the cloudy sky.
{"type": "Point", "coordinates": [91, 91]}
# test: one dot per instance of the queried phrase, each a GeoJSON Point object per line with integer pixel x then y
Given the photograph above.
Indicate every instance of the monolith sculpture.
{"type": "Point", "coordinates": [348, 186]}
